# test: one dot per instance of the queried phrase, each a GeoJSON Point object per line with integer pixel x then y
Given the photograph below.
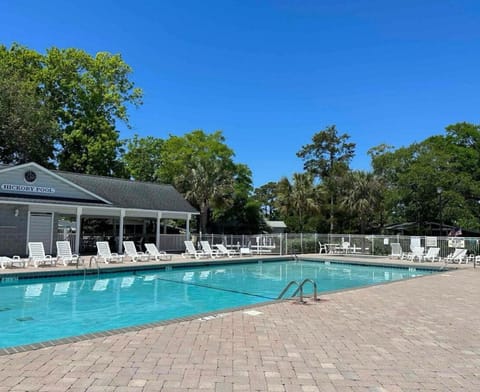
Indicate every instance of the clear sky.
{"type": "Point", "coordinates": [270, 74]}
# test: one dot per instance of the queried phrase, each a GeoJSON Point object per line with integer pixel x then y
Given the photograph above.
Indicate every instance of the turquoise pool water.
{"type": "Point", "coordinates": [38, 310]}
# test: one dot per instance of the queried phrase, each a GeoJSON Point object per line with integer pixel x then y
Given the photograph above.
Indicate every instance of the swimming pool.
{"type": "Point", "coordinates": [38, 310]}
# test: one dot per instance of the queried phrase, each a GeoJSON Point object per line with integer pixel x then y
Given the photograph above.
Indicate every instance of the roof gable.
{"type": "Point", "coordinates": [32, 180]}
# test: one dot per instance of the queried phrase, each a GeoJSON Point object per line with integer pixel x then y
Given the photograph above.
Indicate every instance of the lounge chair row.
{"type": "Point", "coordinates": [104, 254]}
{"type": "Point", "coordinates": [65, 256]}
{"type": "Point", "coordinates": [459, 255]}
{"type": "Point", "coordinates": [207, 251]}
{"type": "Point", "coordinates": [37, 256]}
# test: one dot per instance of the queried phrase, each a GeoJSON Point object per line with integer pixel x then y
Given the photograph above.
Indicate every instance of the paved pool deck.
{"type": "Point", "coordinates": [421, 334]}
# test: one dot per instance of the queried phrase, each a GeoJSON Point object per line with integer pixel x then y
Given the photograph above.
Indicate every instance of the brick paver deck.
{"type": "Point", "coordinates": [417, 335]}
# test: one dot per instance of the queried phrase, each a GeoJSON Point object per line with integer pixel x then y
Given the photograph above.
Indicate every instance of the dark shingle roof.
{"type": "Point", "coordinates": [131, 194]}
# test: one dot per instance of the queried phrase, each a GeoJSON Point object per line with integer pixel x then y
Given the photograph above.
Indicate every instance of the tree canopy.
{"type": "Point", "coordinates": [328, 158]}
{"type": "Point", "coordinates": [28, 130]}
{"type": "Point", "coordinates": [62, 108]}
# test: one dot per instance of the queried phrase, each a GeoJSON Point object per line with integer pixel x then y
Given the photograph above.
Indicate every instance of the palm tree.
{"type": "Point", "coordinates": [362, 196]}
{"type": "Point", "coordinates": [297, 198]}
{"type": "Point", "coordinates": [207, 184]}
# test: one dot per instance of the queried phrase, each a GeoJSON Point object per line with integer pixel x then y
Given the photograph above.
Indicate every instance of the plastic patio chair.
{"type": "Point", "coordinates": [208, 250]}
{"type": "Point", "coordinates": [37, 256]}
{"type": "Point", "coordinates": [159, 255]}
{"type": "Point", "coordinates": [104, 253]}
{"type": "Point", "coordinates": [396, 250]}
{"type": "Point", "coordinates": [192, 252]}
{"type": "Point", "coordinates": [65, 255]}
{"type": "Point", "coordinates": [131, 251]}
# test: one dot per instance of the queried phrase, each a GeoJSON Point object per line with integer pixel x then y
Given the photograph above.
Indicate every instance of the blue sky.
{"type": "Point", "coordinates": [270, 74]}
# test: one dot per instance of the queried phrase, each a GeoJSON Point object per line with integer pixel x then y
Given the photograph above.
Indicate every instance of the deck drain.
{"type": "Point", "coordinates": [253, 312]}
{"type": "Point", "coordinates": [212, 317]}
{"type": "Point", "coordinates": [25, 319]}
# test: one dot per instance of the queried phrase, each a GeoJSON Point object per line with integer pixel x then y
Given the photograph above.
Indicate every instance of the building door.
{"type": "Point", "coordinates": [41, 229]}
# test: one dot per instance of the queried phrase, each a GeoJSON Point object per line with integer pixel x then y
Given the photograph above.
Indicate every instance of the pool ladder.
{"type": "Point", "coordinates": [93, 258]}
{"type": "Point", "coordinates": [300, 289]}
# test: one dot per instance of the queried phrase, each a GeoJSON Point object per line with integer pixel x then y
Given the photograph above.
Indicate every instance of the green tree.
{"type": "Point", "coordinates": [243, 215]}
{"type": "Point", "coordinates": [266, 195]}
{"type": "Point", "coordinates": [142, 159]}
{"type": "Point", "coordinates": [362, 198]}
{"type": "Point", "coordinates": [201, 166]}
{"type": "Point", "coordinates": [328, 158]}
{"type": "Point", "coordinates": [297, 201]}
{"type": "Point", "coordinates": [27, 127]}
{"type": "Point", "coordinates": [63, 107]}
{"type": "Point", "coordinates": [90, 95]}
{"type": "Point", "coordinates": [413, 174]}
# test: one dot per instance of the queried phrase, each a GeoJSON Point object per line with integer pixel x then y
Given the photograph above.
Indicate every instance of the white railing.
{"type": "Point", "coordinates": [287, 244]}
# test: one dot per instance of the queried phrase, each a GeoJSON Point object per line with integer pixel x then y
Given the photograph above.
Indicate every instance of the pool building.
{"type": "Point", "coordinates": [42, 205]}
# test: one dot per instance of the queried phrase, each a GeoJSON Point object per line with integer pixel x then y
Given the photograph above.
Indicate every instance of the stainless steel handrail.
{"type": "Point", "coordinates": [290, 284]}
{"type": "Point", "coordinates": [94, 258]}
{"type": "Point", "coordinates": [300, 288]}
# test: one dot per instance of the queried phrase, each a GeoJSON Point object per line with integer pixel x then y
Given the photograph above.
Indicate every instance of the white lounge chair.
{"type": "Point", "coordinates": [417, 253]}
{"type": "Point", "coordinates": [226, 252]}
{"type": "Point", "coordinates": [208, 250]}
{"type": "Point", "coordinates": [104, 253]}
{"type": "Point", "coordinates": [462, 257]}
{"type": "Point", "coordinates": [158, 255]}
{"type": "Point", "coordinates": [65, 255]}
{"type": "Point", "coordinates": [37, 256]}
{"type": "Point", "coordinates": [6, 262]}
{"type": "Point", "coordinates": [396, 250]}
{"type": "Point", "coordinates": [131, 251]}
{"type": "Point", "coordinates": [432, 254]}
{"type": "Point", "coordinates": [459, 255]}
{"type": "Point", "coordinates": [192, 252]}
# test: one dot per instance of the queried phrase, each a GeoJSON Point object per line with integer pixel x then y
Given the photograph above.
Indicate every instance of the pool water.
{"type": "Point", "coordinates": [38, 310]}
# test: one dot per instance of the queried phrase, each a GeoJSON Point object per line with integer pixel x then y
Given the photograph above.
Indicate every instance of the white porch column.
{"type": "Point", "coordinates": [157, 234]}
{"type": "Point", "coordinates": [120, 231]}
{"type": "Point", "coordinates": [77, 230]}
{"type": "Point", "coordinates": [187, 230]}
